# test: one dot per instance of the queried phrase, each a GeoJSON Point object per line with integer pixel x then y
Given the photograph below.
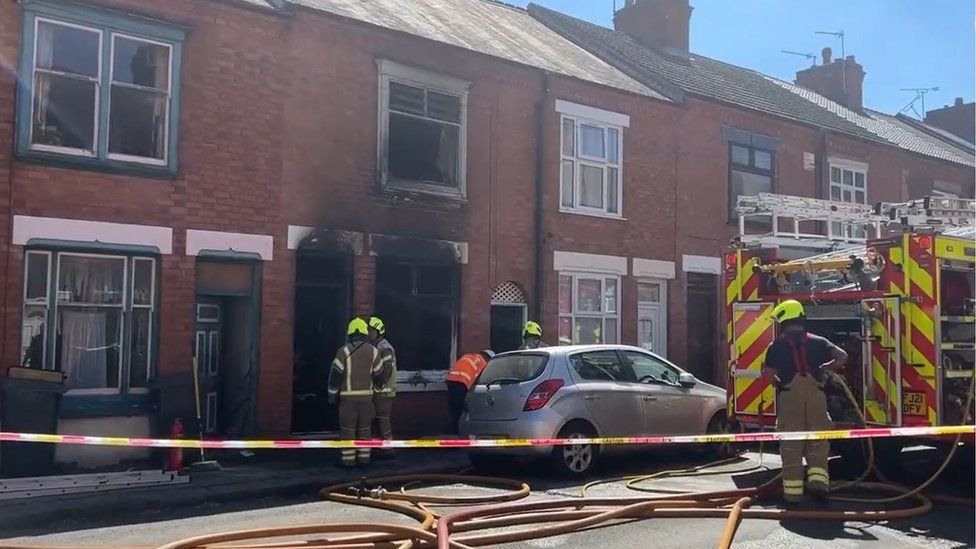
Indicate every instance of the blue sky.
{"type": "Point", "coordinates": [900, 43]}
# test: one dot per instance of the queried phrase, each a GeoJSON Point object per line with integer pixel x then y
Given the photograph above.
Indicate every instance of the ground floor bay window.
{"type": "Point", "coordinates": [588, 308]}
{"type": "Point", "coordinates": [91, 317]}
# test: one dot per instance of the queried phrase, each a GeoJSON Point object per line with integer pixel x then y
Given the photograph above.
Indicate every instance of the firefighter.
{"type": "Point", "coordinates": [460, 379]}
{"type": "Point", "coordinates": [532, 336]}
{"type": "Point", "coordinates": [384, 393]}
{"type": "Point", "coordinates": [357, 368]}
{"type": "Point", "coordinates": [797, 363]}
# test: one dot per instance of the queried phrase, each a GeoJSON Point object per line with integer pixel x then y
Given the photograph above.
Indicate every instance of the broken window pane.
{"type": "Point", "coordinates": [137, 123]}
{"type": "Point", "coordinates": [64, 112]}
{"type": "Point", "coordinates": [567, 183]}
{"type": "Point", "coordinates": [444, 107]}
{"type": "Point", "coordinates": [591, 141]}
{"type": "Point", "coordinates": [591, 187]}
{"type": "Point", "coordinates": [423, 150]}
{"type": "Point", "coordinates": [569, 137]}
{"type": "Point", "coordinates": [407, 99]}
{"type": "Point", "coordinates": [140, 63]}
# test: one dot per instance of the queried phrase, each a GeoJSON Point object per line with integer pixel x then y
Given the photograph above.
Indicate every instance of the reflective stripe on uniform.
{"type": "Point", "coordinates": [818, 474]}
{"type": "Point", "coordinates": [793, 487]}
{"type": "Point", "coordinates": [365, 392]}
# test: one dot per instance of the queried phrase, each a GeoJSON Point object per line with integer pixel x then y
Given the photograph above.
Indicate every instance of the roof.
{"type": "Point", "coordinates": [487, 27]}
{"type": "Point", "coordinates": [711, 79]}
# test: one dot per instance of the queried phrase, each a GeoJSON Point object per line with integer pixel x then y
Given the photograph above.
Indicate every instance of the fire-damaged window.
{"type": "Point", "coordinates": [101, 88]}
{"type": "Point", "coordinates": [418, 303]}
{"type": "Point", "coordinates": [90, 316]}
{"type": "Point", "coordinates": [422, 130]}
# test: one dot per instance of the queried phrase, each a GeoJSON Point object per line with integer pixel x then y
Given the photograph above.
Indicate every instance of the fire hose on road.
{"type": "Point", "coordinates": [493, 517]}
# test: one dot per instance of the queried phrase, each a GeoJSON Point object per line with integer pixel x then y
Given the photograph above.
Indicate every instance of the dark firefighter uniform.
{"type": "Point", "coordinates": [357, 369]}
{"type": "Point", "coordinates": [797, 361]}
{"type": "Point", "coordinates": [385, 392]}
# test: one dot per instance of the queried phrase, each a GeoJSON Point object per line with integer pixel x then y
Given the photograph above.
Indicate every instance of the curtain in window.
{"type": "Point", "coordinates": [84, 354]}
{"type": "Point", "coordinates": [45, 58]}
{"type": "Point", "coordinates": [91, 279]}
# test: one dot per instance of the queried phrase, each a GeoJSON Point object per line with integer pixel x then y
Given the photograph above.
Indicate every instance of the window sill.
{"type": "Point", "coordinates": [88, 163]}
{"type": "Point", "coordinates": [614, 217]}
{"type": "Point", "coordinates": [75, 406]}
{"type": "Point", "coordinates": [421, 189]}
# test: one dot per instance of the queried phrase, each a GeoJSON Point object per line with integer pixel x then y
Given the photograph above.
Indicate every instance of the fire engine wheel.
{"type": "Point", "coordinates": [575, 460]}
{"type": "Point", "coordinates": [719, 425]}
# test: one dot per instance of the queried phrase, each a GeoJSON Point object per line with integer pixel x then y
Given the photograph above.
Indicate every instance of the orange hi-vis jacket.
{"type": "Point", "coordinates": [467, 369]}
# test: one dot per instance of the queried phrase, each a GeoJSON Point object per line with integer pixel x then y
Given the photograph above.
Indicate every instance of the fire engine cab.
{"type": "Point", "coordinates": [893, 285]}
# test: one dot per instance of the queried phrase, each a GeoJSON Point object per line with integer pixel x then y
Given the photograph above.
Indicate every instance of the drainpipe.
{"type": "Point", "coordinates": [540, 158]}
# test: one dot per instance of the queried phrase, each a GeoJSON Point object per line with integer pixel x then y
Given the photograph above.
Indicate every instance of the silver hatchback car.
{"type": "Point", "coordinates": [586, 391]}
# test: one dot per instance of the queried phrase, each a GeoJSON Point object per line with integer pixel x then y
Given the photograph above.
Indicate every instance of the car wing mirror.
{"type": "Point", "coordinates": [686, 380]}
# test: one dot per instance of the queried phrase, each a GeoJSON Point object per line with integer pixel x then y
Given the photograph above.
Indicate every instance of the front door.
{"type": "Point", "coordinates": [881, 363]}
{"type": "Point", "coordinates": [651, 327]}
{"type": "Point", "coordinates": [209, 320]}
{"type": "Point", "coordinates": [506, 327]}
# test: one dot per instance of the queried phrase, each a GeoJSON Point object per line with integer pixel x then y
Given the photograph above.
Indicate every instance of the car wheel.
{"type": "Point", "coordinates": [719, 425]}
{"type": "Point", "coordinates": [575, 460]}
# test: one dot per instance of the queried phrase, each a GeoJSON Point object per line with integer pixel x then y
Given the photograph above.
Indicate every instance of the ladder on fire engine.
{"type": "Point", "coordinates": [930, 213]}
{"type": "Point", "coordinates": [846, 224]}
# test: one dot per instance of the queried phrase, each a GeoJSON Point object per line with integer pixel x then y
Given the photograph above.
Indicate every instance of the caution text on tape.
{"type": "Point", "coordinates": [491, 442]}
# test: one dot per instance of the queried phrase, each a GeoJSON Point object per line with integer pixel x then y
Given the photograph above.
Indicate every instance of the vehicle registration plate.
{"type": "Point", "coordinates": [913, 404]}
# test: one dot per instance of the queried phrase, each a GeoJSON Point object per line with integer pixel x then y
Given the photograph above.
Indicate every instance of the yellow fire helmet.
{"type": "Point", "coordinates": [790, 309]}
{"type": "Point", "coordinates": [532, 329]}
{"type": "Point", "coordinates": [377, 324]}
{"type": "Point", "coordinates": [357, 326]}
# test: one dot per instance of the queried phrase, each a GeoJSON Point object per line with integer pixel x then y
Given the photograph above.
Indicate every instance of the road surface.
{"type": "Point", "coordinates": [946, 527]}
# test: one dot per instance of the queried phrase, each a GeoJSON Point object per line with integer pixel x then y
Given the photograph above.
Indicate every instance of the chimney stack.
{"type": "Point", "coordinates": [660, 24]}
{"type": "Point", "coordinates": [840, 80]}
{"type": "Point", "coordinates": [958, 119]}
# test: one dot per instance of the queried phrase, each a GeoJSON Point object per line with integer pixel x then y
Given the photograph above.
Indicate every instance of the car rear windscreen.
{"type": "Point", "coordinates": [513, 368]}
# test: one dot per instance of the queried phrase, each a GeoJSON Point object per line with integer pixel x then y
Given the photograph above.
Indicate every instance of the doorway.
{"type": "Point", "coordinates": [226, 344]}
{"type": "Point", "coordinates": [509, 313]}
{"type": "Point", "coordinates": [652, 331]}
{"type": "Point", "coordinates": [322, 303]}
{"type": "Point", "coordinates": [702, 327]}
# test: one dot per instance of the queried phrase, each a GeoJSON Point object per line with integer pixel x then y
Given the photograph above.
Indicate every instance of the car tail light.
{"type": "Point", "coordinates": [540, 396]}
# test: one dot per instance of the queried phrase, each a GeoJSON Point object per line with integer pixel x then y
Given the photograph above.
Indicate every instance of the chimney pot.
{"type": "Point", "coordinates": [850, 58]}
{"type": "Point", "coordinates": [827, 53]}
{"type": "Point", "coordinates": [958, 101]}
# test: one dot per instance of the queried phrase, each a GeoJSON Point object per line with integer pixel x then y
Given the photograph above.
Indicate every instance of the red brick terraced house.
{"type": "Point", "coordinates": [224, 183]}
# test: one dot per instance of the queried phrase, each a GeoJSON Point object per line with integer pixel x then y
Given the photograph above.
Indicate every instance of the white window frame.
{"type": "Point", "coordinates": [96, 126]}
{"type": "Point", "coordinates": [100, 89]}
{"type": "Point", "coordinates": [53, 261]}
{"type": "Point", "coordinates": [123, 342]}
{"type": "Point", "coordinates": [602, 314]}
{"type": "Point", "coordinates": [855, 168]}
{"type": "Point", "coordinates": [169, 99]}
{"type": "Point", "coordinates": [580, 160]}
{"type": "Point", "coordinates": [395, 72]}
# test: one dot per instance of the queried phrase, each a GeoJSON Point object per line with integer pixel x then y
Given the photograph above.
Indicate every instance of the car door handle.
{"type": "Point", "coordinates": [649, 398]}
{"type": "Point", "coordinates": [591, 397]}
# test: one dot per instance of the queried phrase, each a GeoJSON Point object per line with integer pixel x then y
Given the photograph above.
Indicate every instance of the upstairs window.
{"type": "Point", "coordinates": [101, 87]}
{"type": "Point", "coordinates": [422, 130]}
{"type": "Point", "coordinates": [750, 173]}
{"type": "Point", "coordinates": [848, 183]}
{"type": "Point", "coordinates": [591, 158]}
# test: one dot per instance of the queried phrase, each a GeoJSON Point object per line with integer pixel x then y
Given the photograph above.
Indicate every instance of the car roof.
{"type": "Point", "coordinates": [568, 349]}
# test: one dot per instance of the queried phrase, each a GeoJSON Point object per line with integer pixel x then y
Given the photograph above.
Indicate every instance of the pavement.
{"type": "Point", "coordinates": [947, 526]}
{"type": "Point", "coordinates": [271, 473]}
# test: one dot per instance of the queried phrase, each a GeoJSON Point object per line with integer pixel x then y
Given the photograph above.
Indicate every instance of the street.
{"type": "Point", "coordinates": [946, 526]}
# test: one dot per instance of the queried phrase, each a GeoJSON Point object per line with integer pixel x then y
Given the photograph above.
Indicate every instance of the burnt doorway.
{"type": "Point", "coordinates": [702, 325]}
{"type": "Point", "coordinates": [418, 303]}
{"type": "Point", "coordinates": [225, 344]}
{"type": "Point", "coordinates": [322, 308]}
{"type": "Point", "coordinates": [508, 316]}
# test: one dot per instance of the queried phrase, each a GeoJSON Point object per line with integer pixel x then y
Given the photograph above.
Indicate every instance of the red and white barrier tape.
{"type": "Point", "coordinates": [489, 443]}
